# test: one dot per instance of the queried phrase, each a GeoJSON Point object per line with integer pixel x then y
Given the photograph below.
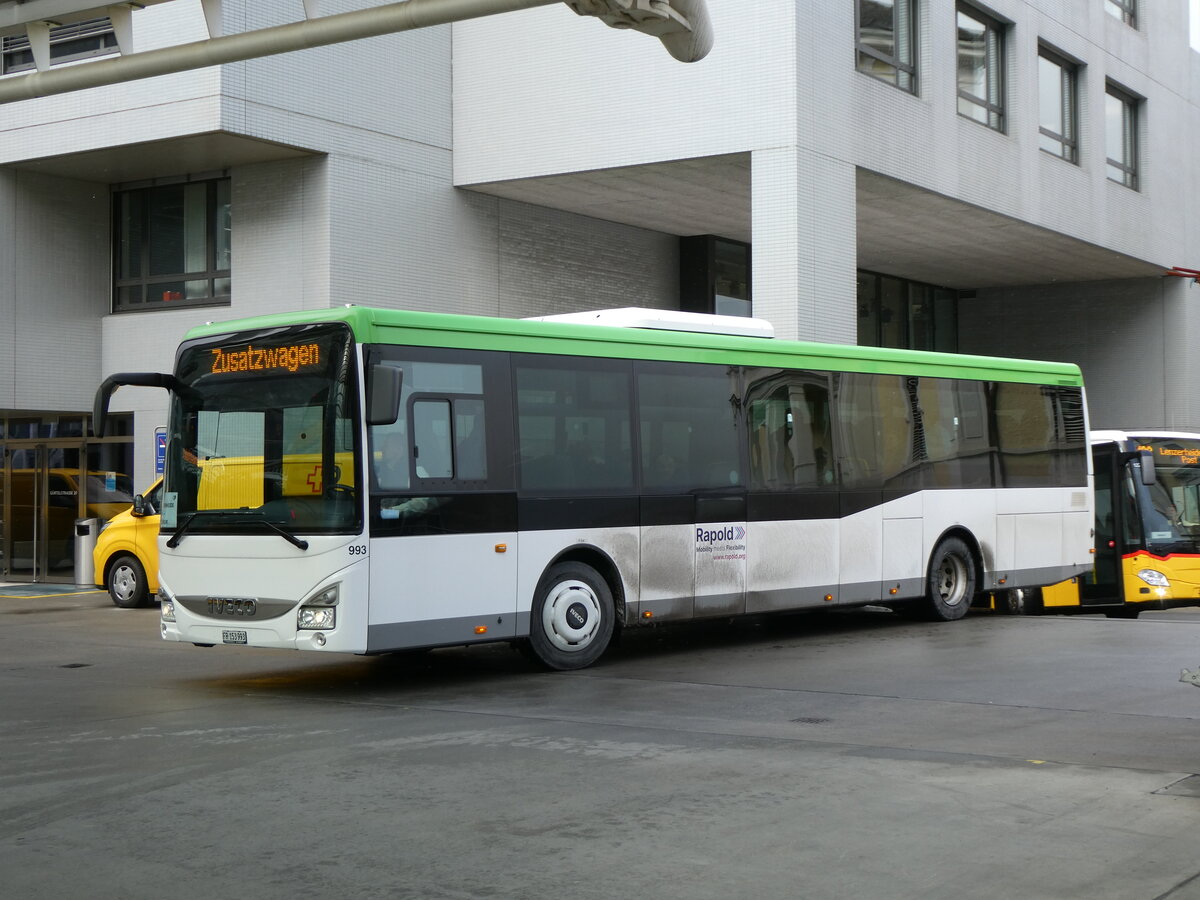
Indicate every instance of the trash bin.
{"type": "Point", "coordinates": [86, 532]}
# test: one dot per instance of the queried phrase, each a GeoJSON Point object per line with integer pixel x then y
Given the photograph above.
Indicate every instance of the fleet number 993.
{"type": "Point", "coordinates": [358, 549]}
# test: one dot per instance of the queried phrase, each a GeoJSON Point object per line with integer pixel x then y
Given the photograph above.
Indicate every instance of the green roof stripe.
{"type": "Point", "coordinates": [391, 326]}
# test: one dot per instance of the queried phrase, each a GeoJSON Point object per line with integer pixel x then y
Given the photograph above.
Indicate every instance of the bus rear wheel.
{"type": "Point", "coordinates": [950, 586]}
{"type": "Point", "coordinates": [572, 619]}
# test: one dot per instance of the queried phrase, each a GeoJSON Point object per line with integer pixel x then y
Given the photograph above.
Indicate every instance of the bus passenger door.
{"type": "Point", "coordinates": [668, 549]}
{"type": "Point", "coordinates": [720, 555]}
{"type": "Point", "coordinates": [443, 513]}
{"type": "Point", "coordinates": [1103, 585]}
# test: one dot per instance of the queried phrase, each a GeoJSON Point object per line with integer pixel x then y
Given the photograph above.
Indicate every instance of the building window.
{"type": "Point", "coordinates": [1120, 136]}
{"type": "Point", "coordinates": [82, 40]}
{"type": "Point", "coordinates": [980, 67]}
{"type": "Point", "coordinates": [714, 275]}
{"type": "Point", "coordinates": [172, 245]}
{"type": "Point", "coordinates": [1125, 10]}
{"type": "Point", "coordinates": [887, 41]}
{"type": "Point", "coordinates": [1057, 117]}
{"type": "Point", "coordinates": [893, 312]}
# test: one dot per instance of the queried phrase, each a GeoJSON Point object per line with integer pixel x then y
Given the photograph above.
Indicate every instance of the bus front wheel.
{"type": "Point", "coordinates": [571, 622]}
{"type": "Point", "coordinates": [951, 581]}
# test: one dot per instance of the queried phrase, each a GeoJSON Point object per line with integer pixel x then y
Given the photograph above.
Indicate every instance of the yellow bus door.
{"type": "Point", "coordinates": [1103, 586]}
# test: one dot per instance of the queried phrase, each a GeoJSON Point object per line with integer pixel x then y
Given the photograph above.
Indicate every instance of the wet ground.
{"type": "Point", "coordinates": [825, 756]}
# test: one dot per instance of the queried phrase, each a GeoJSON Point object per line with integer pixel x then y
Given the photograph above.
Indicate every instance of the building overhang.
{"type": "Point", "coordinates": [903, 230]}
{"type": "Point", "coordinates": [186, 154]}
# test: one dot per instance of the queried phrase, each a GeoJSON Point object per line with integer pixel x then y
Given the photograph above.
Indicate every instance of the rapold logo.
{"type": "Point", "coordinates": [724, 543]}
{"type": "Point", "coordinates": [728, 533]}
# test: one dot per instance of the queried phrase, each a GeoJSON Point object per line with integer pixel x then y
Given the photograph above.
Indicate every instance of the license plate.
{"type": "Point", "coordinates": [233, 637]}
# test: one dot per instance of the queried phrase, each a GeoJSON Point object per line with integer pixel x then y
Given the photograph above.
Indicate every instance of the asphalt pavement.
{"type": "Point", "coordinates": [824, 756]}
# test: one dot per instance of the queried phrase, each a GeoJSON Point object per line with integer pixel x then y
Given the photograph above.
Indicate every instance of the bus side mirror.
{"type": "Point", "coordinates": [1149, 473]}
{"type": "Point", "coordinates": [1145, 459]}
{"type": "Point", "coordinates": [383, 394]}
{"type": "Point", "coordinates": [139, 506]}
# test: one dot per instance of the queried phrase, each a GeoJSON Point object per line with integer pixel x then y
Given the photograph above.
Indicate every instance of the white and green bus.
{"type": "Point", "coordinates": [365, 480]}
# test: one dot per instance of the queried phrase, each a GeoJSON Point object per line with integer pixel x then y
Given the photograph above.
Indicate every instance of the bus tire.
{"type": "Point", "coordinates": [950, 583]}
{"type": "Point", "coordinates": [1019, 602]}
{"type": "Point", "coordinates": [1032, 603]}
{"type": "Point", "coordinates": [126, 582]}
{"type": "Point", "coordinates": [571, 622]}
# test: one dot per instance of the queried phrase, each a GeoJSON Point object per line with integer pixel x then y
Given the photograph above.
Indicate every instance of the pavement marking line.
{"type": "Point", "coordinates": [4, 596]}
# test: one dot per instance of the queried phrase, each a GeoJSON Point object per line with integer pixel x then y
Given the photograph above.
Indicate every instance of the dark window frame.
{"type": "Point", "coordinates": [1128, 168]}
{"type": "Point", "coordinates": [1124, 10]}
{"type": "Point", "coordinates": [905, 32]}
{"type": "Point", "coordinates": [140, 285]}
{"type": "Point", "coordinates": [1069, 100]}
{"type": "Point", "coordinates": [995, 35]}
{"type": "Point", "coordinates": [941, 319]}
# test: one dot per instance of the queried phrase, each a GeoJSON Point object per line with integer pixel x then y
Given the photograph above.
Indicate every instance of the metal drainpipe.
{"type": "Point", "coordinates": [350, 26]}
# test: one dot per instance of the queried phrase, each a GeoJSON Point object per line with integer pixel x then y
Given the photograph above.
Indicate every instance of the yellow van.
{"type": "Point", "coordinates": [126, 554]}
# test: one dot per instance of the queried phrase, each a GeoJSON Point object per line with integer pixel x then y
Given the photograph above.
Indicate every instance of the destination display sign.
{"type": "Point", "coordinates": [291, 358]}
{"type": "Point", "coordinates": [1173, 453]}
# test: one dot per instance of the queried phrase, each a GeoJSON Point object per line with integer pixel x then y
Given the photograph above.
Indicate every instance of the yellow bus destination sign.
{"type": "Point", "coordinates": [290, 358]}
{"type": "Point", "coordinates": [1182, 456]}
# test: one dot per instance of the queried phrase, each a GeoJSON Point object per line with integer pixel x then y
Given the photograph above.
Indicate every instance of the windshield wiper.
{"type": "Point", "coordinates": [282, 532]}
{"type": "Point", "coordinates": [246, 515]}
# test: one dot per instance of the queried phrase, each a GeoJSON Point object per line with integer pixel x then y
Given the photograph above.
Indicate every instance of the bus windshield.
{"type": "Point", "coordinates": [1171, 506]}
{"type": "Point", "coordinates": [264, 428]}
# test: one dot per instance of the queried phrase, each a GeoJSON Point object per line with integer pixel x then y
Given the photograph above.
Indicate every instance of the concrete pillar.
{"type": "Point", "coordinates": [1180, 362]}
{"type": "Point", "coordinates": [804, 232]}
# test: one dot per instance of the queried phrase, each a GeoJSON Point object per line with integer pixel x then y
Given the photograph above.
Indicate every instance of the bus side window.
{"type": "Point", "coordinates": [390, 456]}
{"type": "Point", "coordinates": [689, 427]}
{"type": "Point", "coordinates": [791, 443]}
{"type": "Point", "coordinates": [431, 439]}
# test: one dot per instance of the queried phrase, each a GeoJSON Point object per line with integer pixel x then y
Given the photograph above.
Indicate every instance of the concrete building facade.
{"type": "Point", "coordinates": [538, 162]}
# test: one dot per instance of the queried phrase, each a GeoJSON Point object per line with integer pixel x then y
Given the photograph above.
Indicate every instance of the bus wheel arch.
{"type": "Point", "coordinates": [574, 611]}
{"type": "Point", "coordinates": [952, 577]}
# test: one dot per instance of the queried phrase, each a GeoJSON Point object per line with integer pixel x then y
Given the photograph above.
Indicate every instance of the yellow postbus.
{"type": "Point", "coordinates": [1147, 531]}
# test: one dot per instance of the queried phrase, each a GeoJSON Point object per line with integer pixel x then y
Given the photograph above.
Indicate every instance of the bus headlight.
{"type": "Point", "coordinates": [166, 603]}
{"type": "Point", "coordinates": [1153, 577]}
{"type": "Point", "coordinates": [319, 613]}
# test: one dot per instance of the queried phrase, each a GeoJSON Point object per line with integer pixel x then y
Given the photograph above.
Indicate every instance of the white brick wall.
{"type": "Point", "coordinates": [1134, 341]}
{"type": "Point", "coordinates": [55, 273]}
{"type": "Point", "coordinates": [393, 123]}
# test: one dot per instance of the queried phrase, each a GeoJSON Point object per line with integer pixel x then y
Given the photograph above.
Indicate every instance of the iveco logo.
{"type": "Point", "coordinates": [232, 606]}
{"type": "Point", "coordinates": [576, 615]}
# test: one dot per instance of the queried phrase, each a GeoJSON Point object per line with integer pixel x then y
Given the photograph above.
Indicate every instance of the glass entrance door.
{"type": "Point", "coordinates": [39, 504]}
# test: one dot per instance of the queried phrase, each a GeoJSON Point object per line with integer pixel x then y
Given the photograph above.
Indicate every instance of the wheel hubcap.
{"type": "Point", "coordinates": [952, 580]}
{"type": "Point", "coordinates": [124, 582]}
{"type": "Point", "coordinates": [571, 615]}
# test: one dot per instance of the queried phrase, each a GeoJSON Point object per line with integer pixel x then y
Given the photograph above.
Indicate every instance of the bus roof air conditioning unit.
{"type": "Point", "coordinates": [666, 320]}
